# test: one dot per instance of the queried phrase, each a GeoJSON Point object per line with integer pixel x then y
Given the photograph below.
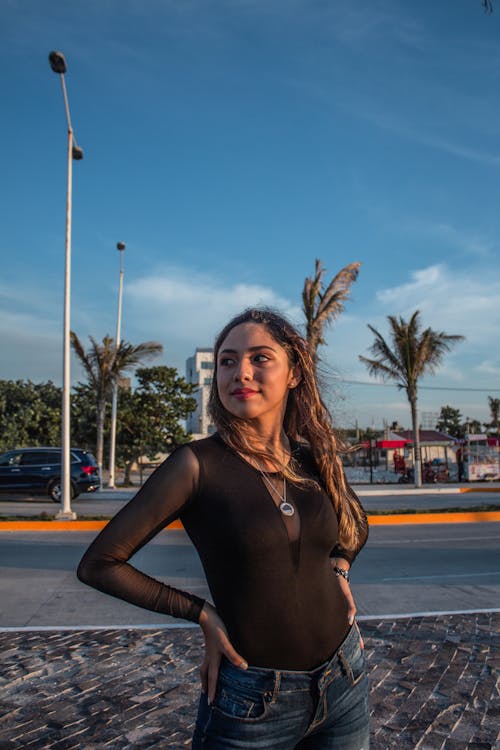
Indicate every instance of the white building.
{"type": "Point", "coordinates": [200, 370]}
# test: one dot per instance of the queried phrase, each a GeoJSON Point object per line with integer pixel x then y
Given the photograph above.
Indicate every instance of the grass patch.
{"type": "Point", "coordinates": [484, 508]}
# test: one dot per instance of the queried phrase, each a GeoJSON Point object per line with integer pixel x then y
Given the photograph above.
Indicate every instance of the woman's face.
{"type": "Point", "coordinates": [254, 374]}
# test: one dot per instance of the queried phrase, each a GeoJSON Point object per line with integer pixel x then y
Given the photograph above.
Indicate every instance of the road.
{"type": "Point", "coordinates": [109, 502]}
{"type": "Point", "coordinates": [105, 503]}
{"type": "Point", "coordinates": [428, 500]}
{"type": "Point", "coordinates": [403, 569]}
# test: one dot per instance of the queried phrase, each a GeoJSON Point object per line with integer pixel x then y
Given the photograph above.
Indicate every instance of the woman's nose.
{"type": "Point", "coordinates": [243, 371]}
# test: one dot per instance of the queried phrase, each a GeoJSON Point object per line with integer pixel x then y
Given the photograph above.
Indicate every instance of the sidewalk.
{"type": "Point", "coordinates": [432, 682]}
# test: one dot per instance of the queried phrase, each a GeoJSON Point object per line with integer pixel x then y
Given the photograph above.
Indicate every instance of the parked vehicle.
{"type": "Point", "coordinates": [408, 477]}
{"type": "Point", "coordinates": [39, 469]}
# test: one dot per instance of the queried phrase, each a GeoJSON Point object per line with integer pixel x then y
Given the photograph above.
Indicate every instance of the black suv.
{"type": "Point", "coordinates": [40, 469]}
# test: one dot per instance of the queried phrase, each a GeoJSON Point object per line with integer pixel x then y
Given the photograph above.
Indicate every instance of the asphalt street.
{"type": "Point", "coordinates": [404, 569]}
{"type": "Point", "coordinates": [375, 497]}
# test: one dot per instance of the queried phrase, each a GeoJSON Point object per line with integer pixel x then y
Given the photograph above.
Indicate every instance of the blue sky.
{"type": "Point", "coordinates": [229, 143]}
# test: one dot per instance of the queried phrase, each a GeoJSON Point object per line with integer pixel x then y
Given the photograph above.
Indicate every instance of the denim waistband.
{"type": "Point", "coordinates": [271, 679]}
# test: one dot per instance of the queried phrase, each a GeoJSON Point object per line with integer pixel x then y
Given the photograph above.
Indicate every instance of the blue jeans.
{"type": "Point", "coordinates": [323, 708]}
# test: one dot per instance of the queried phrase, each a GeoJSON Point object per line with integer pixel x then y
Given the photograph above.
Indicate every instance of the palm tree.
{"type": "Point", "coordinates": [321, 306]}
{"type": "Point", "coordinates": [413, 353]}
{"type": "Point", "coordinates": [494, 404]}
{"type": "Point", "coordinates": [104, 365]}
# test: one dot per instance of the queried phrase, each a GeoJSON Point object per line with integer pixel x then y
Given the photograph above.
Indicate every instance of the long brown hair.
{"type": "Point", "coordinates": [307, 420]}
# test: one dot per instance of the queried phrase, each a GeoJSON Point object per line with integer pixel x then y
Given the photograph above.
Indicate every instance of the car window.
{"type": "Point", "coordinates": [40, 458]}
{"type": "Point", "coordinates": [51, 457]}
{"type": "Point", "coordinates": [32, 459]}
{"type": "Point", "coordinates": [10, 459]}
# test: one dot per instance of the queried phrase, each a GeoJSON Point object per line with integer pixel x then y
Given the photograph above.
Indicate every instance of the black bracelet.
{"type": "Point", "coordinates": [341, 572]}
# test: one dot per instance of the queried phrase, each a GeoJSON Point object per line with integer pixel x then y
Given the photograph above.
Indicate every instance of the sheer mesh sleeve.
{"type": "Point", "coordinates": [105, 565]}
{"type": "Point", "coordinates": [351, 554]}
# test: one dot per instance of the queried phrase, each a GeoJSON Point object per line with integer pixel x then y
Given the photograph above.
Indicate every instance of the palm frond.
{"type": "Point", "coordinates": [321, 308]}
{"type": "Point", "coordinates": [411, 354]}
{"type": "Point", "coordinates": [432, 347]}
{"type": "Point", "coordinates": [383, 352]}
{"type": "Point", "coordinates": [331, 301]}
{"type": "Point", "coordinates": [128, 355]}
{"type": "Point", "coordinates": [86, 360]}
{"type": "Point", "coordinates": [375, 367]}
{"type": "Point", "coordinates": [104, 364]}
{"type": "Point", "coordinates": [310, 296]}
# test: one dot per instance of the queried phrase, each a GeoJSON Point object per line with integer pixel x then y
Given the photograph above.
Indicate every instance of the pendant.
{"type": "Point", "coordinates": [287, 509]}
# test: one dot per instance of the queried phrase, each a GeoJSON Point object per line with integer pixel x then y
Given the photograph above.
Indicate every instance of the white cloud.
{"type": "Point", "coordinates": [396, 123]}
{"type": "Point", "coordinates": [380, 22]}
{"type": "Point", "coordinates": [31, 347]}
{"type": "Point", "coordinates": [176, 304]}
{"type": "Point", "coordinates": [488, 367]}
{"type": "Point", "coordinates": [455, 149]}
{"type": "Point", "coordinates": [459, 302]}
{"type": "Point", "coordinates": [470, 243]}
{"type": "Point", "coordinates": [180, 309]}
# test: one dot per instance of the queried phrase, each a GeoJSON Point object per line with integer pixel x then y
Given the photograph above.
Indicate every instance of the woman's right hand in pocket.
{"type": "Point", "coordinates": [217, 645]}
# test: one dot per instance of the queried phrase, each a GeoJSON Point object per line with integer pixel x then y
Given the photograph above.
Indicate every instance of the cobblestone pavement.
{"type": "Point", "coordinates": [433, 686]}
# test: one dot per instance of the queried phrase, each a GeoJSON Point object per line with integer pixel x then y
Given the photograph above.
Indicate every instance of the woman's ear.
{"type": "Point", "coordinates": [295, 377]}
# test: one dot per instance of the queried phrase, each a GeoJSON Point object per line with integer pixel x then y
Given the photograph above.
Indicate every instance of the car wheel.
{"type": "Point", "coordinates": [55, 491]}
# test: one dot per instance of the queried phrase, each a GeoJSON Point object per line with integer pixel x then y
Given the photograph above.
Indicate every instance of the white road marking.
{"type": "Point", "coordinates": [62, 628]}
{"type": "Point", "coordinates": [383, 542]}
{"type": "Point", "coordinates": [172, 626]}
{"type": "Point", "coordinates": [439, 577]}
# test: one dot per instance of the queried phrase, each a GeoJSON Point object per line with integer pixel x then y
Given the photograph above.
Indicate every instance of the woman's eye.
{"type": "Point", "coordinates": [261, 358]}
{"type": "Point", "coordinates": [225, 361]}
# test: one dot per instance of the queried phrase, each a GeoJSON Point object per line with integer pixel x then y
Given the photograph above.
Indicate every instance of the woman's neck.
{"type": "Point", "coordinates": [273, 440]}
{"type": "Point", "coordinates": [275, 444]}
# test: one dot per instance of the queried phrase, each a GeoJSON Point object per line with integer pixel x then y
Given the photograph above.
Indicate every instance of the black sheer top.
{"type": "Point", "coordinates": [270, 576]}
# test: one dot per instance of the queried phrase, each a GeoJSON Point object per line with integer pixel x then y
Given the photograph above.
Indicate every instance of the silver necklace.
{"type": "Point", "coordinates": [285, 507]}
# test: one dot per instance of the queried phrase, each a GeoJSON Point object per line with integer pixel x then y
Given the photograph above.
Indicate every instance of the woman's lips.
{"type": "Point", "coordinates": [244, 393]}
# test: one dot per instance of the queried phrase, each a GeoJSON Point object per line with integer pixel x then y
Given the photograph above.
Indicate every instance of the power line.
{"type": "Point", "coordinates": [423, 387]}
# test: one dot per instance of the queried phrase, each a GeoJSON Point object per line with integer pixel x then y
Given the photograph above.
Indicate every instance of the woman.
{"type": "Point", "coordinates": [267, 506]}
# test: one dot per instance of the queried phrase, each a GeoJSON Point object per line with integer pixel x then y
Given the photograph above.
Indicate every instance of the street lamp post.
{"type": "Point", "coordinates": [58, 65]}
{"type": "Point", "coordinates": [120, 246]}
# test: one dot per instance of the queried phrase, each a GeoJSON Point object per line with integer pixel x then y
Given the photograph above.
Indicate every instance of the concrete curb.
{"type": "Point", "coordinates": [382, 520]}
{"type": "Point", "coordinates": [479, 489]}
{"type": "Point", "coordinates": [391, 491]}
{"type": "Point", "coordinates": [422, 518]}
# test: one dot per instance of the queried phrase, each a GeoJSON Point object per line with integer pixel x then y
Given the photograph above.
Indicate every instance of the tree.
{"type": "Point", "coordinates": [84, 417]}
{"type": "Point", "coordinates": [494, 425]}
{"type": "Point", "coordinates": [321, 306]}
{"type": "Point", "coordinates": [450, 422]}
{"type": "Point", "coordinates": [30, 414]}
{"type": "Point", "coordinates": [472, 427]}
{"type": "Point", "coordinates": [148, 420]}
{"type": "Point", "coordinates": [411, 354]}
{"type": "Point", "coordinates": [104, 365]}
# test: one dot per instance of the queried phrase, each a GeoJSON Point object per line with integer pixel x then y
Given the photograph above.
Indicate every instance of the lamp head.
{"type": "Point", "coordinates": [77, 153]}
{"type": "Point", "coordinates": [120, 246]}
{"type": "Point", "coordinates": [57, 62]}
